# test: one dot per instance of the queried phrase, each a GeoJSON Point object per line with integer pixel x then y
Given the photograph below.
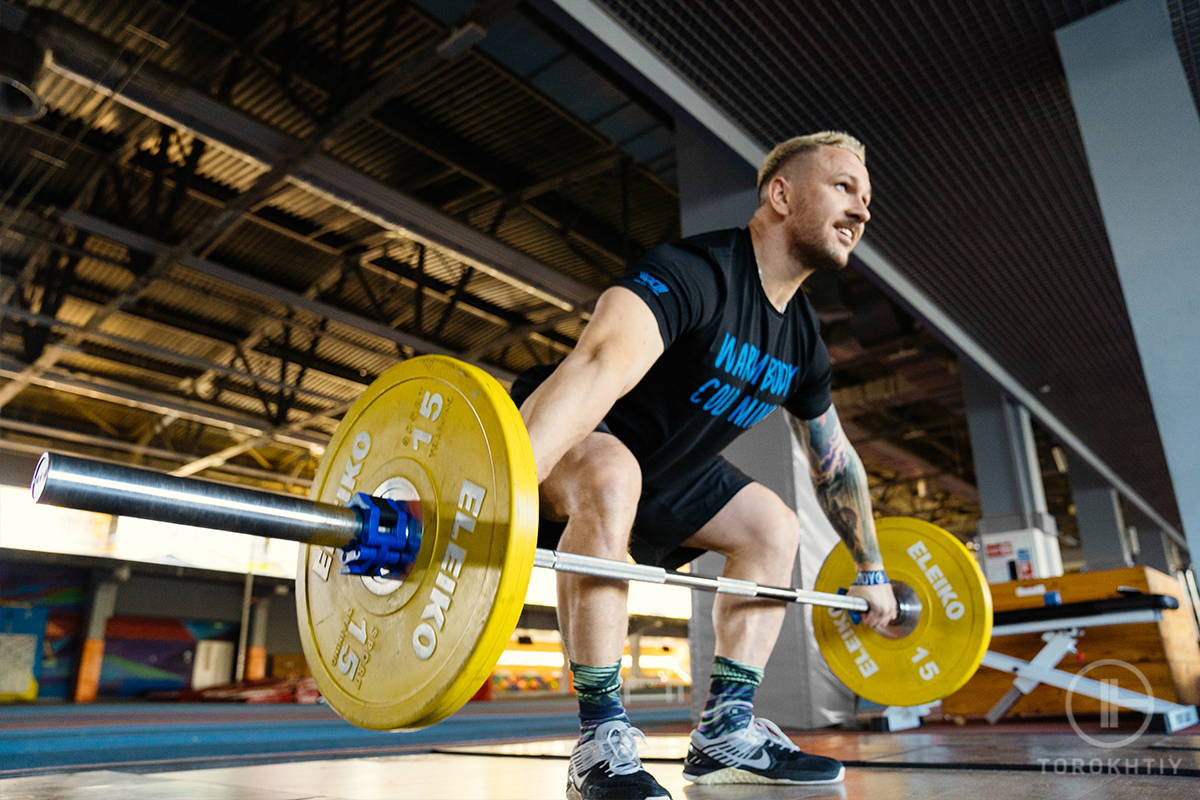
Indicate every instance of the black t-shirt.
{"type": "Point", "coordinates": [730, 357]}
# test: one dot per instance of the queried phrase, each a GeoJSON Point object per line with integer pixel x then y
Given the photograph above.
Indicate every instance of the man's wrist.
{"type": "Point", "coordinates": [870, 577]}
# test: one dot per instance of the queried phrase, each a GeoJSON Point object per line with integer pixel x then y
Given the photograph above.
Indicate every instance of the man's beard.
{"type": "Point", "coordinates": [811, 252]}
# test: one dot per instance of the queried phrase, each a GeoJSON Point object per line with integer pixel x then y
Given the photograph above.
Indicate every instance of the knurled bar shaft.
{"type": "Point", "coordinates": [621, 570]}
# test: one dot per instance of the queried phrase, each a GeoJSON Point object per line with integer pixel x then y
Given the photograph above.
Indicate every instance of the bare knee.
{"type": "Point", "coordinates": [596, 486]}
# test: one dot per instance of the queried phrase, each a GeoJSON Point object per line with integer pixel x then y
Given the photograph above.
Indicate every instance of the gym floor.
{"type": "Point", "coordinates": [517, 751]}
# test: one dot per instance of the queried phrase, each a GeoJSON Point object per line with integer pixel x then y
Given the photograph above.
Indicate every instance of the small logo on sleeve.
{"type": "Point", "coordinates": [655, 285]}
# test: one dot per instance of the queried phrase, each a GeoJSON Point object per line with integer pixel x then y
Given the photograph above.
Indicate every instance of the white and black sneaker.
{"type": "Point", "coordinates": [759, 753]}
{"type": "Point", "coordinates": [608, 767]}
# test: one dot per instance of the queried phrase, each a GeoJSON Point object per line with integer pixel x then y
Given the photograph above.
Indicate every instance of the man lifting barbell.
{"type": "Point", "coordinates": [698, 342]}
{"type": "Point", "coordinates": [428, 497]}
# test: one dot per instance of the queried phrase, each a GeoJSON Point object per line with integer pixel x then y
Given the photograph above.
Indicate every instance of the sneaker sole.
{"type": "Point", "coordinates": [574, 794]}
{"type": "Point", "coordinates": [735, 775]}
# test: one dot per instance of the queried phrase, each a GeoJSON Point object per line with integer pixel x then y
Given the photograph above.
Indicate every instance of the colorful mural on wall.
{"type": "Point", "coordinates": [141, 654]}
{"type": "Point", "coordinates": [63, 592]}
{"type": "Point", "coordinates": [145, 654]}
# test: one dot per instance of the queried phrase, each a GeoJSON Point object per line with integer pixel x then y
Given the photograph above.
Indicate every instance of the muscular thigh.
{"type": "Point", "coordinates": [755, 523]}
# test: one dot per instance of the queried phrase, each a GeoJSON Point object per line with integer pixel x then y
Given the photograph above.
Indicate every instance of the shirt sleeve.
{"type": "Point", "coordinates": [682, 289]}
{"type": "Point", "coordinates": [813, 395]}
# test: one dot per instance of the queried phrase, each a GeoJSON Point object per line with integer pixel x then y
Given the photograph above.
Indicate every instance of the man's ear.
{"type": "Point", "coordinates": [777, 195]}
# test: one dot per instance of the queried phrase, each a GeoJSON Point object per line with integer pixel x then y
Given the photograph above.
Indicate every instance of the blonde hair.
{"type": "Point", "coordinates": [785, 151]}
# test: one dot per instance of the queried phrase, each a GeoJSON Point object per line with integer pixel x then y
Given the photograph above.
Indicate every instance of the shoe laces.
{"type": "Point", "coordinates": [771, 731]}
{"type": "Point", "coordinates": [619, 747]}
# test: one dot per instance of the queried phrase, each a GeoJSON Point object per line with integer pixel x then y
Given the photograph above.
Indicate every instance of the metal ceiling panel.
{"type": "Point", "coordinates": [78, 102]}
{"type": "Point", "coordinates": [382, 154]}
{"type": "Point", "coordinates": [521, 46]}
{"type": "Point", "coordinates": [229, 168]}
{"type": "Point", "coordinates": [258, 96]}
{"type": "Point", "coordinates": [581, 91]}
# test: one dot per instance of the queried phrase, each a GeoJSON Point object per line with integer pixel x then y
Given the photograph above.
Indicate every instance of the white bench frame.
{"type": "Point", "coordinates": [1061, 637]}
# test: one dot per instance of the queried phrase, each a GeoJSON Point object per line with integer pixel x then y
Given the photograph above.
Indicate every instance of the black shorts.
{"type": "Point", "coordinates": [666, 515]}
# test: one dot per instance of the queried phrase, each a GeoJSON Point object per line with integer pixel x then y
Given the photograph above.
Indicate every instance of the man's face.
{"type": "Point", "coordinates": [828, 194]}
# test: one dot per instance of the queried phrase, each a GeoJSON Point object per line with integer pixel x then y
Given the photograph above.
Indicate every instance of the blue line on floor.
{"type": "Point", "coordinates": [83, 745]}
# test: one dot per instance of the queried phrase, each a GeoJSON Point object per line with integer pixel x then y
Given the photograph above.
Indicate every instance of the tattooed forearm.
{"type": "Point", "coordinates": [847, 502]}
{"type": "Point", "coordinates": [841, 486]}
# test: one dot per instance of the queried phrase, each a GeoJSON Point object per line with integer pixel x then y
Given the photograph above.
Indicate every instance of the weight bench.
{"type": "Point", "coordinates": [1061, 626]}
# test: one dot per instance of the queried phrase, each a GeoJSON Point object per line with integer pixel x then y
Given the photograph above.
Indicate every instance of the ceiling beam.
{"type": "Point", "coordinates": [59, 434]}
{"type": "Point", "coordinates": [84, 57]}
{"type": "Point", "coordinates": [161, 353]}
{"type": "Point", "coordinates": [519, 332]}
{"type": "Point", "coordinates": [505, 184]}
{"type": "Point", "coordinates": [137, 241]}
{"type": "Point", "coordinates": [220, 457]}
{"type": "Point", "coordinates": [375, 259]}
{"type": "Point", "coordinates": [159, 403]}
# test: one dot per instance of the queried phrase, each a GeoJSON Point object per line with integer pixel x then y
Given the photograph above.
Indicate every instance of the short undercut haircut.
{"type": "Point", "coordinates": [785, 151]}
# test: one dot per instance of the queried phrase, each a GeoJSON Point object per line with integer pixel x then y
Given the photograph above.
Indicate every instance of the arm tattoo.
{"type": "Point", "coordinates": [841, 485]}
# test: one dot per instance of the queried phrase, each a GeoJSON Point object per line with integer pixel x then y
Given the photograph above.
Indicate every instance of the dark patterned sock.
{"type": "Point", "coordinates": [599, 691]}
{"type": "Point", "coordinates": [730, 697]}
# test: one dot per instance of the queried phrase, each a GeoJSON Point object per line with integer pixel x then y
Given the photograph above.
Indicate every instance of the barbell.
{"type": "Point", "coordinates": [438, 446]}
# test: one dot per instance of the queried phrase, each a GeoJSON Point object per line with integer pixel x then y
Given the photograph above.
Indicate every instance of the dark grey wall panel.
{"type": "Point", "coordinates": [180, 598]}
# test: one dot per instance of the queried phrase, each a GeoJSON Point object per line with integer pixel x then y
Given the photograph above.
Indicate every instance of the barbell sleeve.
{"type": "Point", "coordinates": [116, 489]}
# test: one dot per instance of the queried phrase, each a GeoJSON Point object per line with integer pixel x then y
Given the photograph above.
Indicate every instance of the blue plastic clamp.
{"type": "Point", "coordinates": [388, 541]}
